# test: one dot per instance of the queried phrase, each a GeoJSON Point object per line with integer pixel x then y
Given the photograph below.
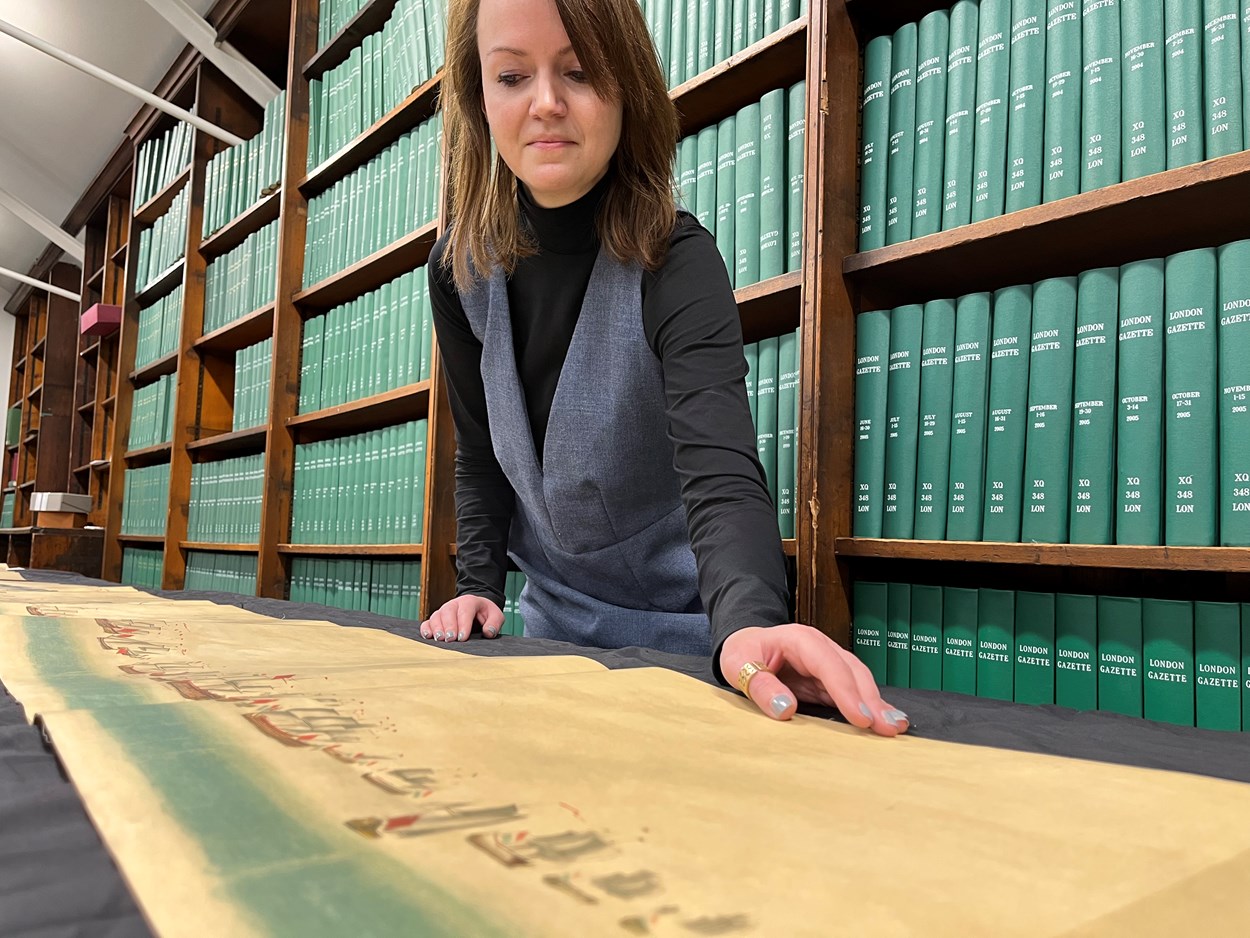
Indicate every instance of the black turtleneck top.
{"type": "Point", "coordinates": [691, 324]}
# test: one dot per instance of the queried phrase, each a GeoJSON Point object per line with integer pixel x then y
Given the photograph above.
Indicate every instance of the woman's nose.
{"type": "Point", "coordinates": [548, 98]}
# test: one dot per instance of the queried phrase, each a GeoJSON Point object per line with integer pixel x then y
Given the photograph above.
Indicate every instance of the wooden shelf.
{"type": "Point", "coordinates": [776, 61]}
{"type": "Point", "coordinates": [86, 408]}
{"type": "Point", "coordinates": [39, 346]}
{"type": "Point", "coordinates": [86, 468]}
{"type": "Point", "coordinates": [406, 403]}
{"type": "Point", "coordinates": [99, 465]}
{"type": "Point", "coordinates": [1201, 205]}
{"type": "Point", "coordinates": [159, 204]}
{"type": "Point", "coordinates": [247, 330]}
{"type": "Point", "coordinates": [90, 350]}
{"type": "Point", "coordinates": [873, 18]}
{"type": "Point", "coordinates": [31, 437]}
{"type": "Point", "coordinates": [96, 280]}
{"type": "Point", "coordinates": [109, 401]}
{"type": "Point", "coordinates": [15, 532]}
{"type": "Point", "coordinates": [119, 256]}
{"type": "Point", "coordinates": [371, 18]}
{"type": "Point", "coordinates": [20, 364]}
{"type": "Point", "coordinates": [27, 485]}
{"type": "Point", "coordinates": [1103, 556]}
{"type": "Point", "coordinates": [36, 391]}
{"type": "Point", "coordinates": [351, 550]}
{"type": "Point", "coordinates": [233, 443]}
{"type": "Point", "coordinates": [165, 365]}
{"type": "Point", "coordinates": [237, 231]}
{"type": "Point", "coordinates": [149, 455]}
{"type": "Point", "coordinates": [789, 547]}
{"type": "Point", "coordinates": [378, 268]}
{"type": "Point", "coordinates": [142, 538]}
{"type": "Point", "coordinates": [770, 307]}
{"type": "Point", "coordinates": [220, 548]}
{"type": "Point", "coordinates": [163, 284]}
{"type": "Point", "coordinates": [11, 448]}
{"type": "Point", "coordinates": [410, 112]}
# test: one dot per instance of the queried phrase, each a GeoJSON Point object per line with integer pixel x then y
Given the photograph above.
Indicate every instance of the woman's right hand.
{"type": "Point", "coordinates": [453, 621]}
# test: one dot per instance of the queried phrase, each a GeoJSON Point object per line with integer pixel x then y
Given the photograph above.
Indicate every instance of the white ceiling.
{"type": "Point", "coordinates": [58, 126]}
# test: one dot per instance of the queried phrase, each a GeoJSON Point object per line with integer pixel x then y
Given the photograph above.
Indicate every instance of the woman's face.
{"type": "Point", "coordinates": [551, 128]}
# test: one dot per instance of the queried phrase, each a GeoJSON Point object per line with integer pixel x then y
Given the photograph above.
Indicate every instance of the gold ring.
{"type": "Point", "coordinates": [749, 670]}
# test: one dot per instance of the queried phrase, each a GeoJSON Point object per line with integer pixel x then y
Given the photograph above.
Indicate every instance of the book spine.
{"type": "Point", "coordinates": [772, 247]}
{"type": "Point", "coordinates": [1143, 129]}
{"type": "Point", "coordinates": [902, 430]}
{"type": "Point", "coordinates": [1100, 99]}
{"type": "Point", "coordinates": [1120, 655]}
{"type": "Point", "coordinates": [796, 116]}
{"type": "Point", "coordinates": [787, 429]}
{"type": "Point", "coordinates": [705, 178]}
{"type": "Point", "coordinates": [898, 635]}
{"type": "Point", "coordinates": [937, 352]}
{"type": "Point", "coordinates": [1139, 413]}
{"type": "Point", "coordinates": [1217, 646]}
{"type": "Point", "coordinates": [1191, 449]}
{"type": "Point", "coordinates": [872, 354]}
{"type": "Point", "coordinates": [961, 95]}
{"type": "Point", "coordinates": [1027, 121]}
{"type": "Point", "coordinates": [968, 417]}
{"type": "Point", "coordinates": [1168, 651]}
{"type": "Point", "coordinates": [726, 186]}
{"type": "Point", "coordinates": [1008, 413]}
{"type": "Point", "coordinates": [996, 638]}
{"type": "Point", "coordinates": [959, 640]}
{"type": "Point", "coordinates": [1221, 77]}
{"type": "Point", "coordinates": [1076, 651]}
{"type": "Point", "coordinates": [871, 612]}
{"type": "Point", "coordinates": [875, 145]}
{"type": "Point", "coordinates": [1091, 509]}
{"type": "Point", "coordinates": [932, 49]}
{"type": "Point", "coordinates": [1035, 648]}
{"type": "Point", "coordinates": [1234, 387]}
{"type": "Point", "coordinates": [1182, 25]}
{"type": "Point", "coordinates": [926, 638]}
{"type": "Point", "coordinates": [766, 412]}
{"type": "Point", "coordinates": [989, 171]}
{"type": "Point", "coordinates": [1245, 665]}
{"type": "Point", "coordinates": [1048, 438]}
{"type": "Point", "coordinates": [1061, 139]}
{"type": "Point", "coordinates": [902, 141]}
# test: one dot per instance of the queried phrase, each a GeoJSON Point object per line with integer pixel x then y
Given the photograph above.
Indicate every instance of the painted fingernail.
{"type": "Point", "coordinates": [780, 704]}
{"type": "Point", "coordinates": [438, 636]}
{"type": "Point", "coordinates": [863, 708]}
{"type": "Point", "coordinates": [894, 717]}
{"type": "Point", "coordinates": [489, 633]}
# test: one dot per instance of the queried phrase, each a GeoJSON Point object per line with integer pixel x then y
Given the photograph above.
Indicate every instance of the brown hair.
{"type": "Point", "coordinates": [637, 215]}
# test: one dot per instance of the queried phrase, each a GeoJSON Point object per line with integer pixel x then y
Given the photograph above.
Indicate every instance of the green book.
{"type": "Point", "coordinates": [787, 429]}
{"type": "Point", "coordinates": [1217, 648]}
{"type": "Point", "coordinates": [926, 638]}
{"type": "Point", "coordinates": [722, 34]}
{"type": "Point", "coordinates": [705, 178]}
{"type": "Point", "coordinates": [989, 172]}
{"type": "Point", "coordinates": [937, 373]}
{"type": "Point", "coordinates": [871, 612]}
{"type": "Point", "coordinates": [1245, 68]}
{"type": "Point", "coordinates": [932, 49]}
{"type": "Point", "coordinates": [875, 145]}
{"type": "Point", "coordinates": [1048, 438]}
{"type": "Point", "coordinates": [1100, 97]}
{"type": "Point", "coordinates": [1061, 138]}
{"type": "Point", "coordinates": [1091, 511]}
{"type": "Point", "coordinates": [902, 152]}
{"type": "Point", "coordinates": [1143, 128]}
{"type": "Point", "coordinates": [1076, 650]}
{"type": "Point", "coordinates": [726, 158]}
{"type": "Point", "coordinates": [751, 352]}
{"type": "Point", "coordinates": [961, 101]}
{"type": "Point", "coordinates": [1221, 77]}
{"type": "Point", "coordinates": [691, 66]}
{"type": "Point", "coordinates": [1027, 122]}
{"type": "Point", "coordinates": [677, 45]}
{"type": "Point", "coordinates": [1168, 650]}
{"type": "Point", "coordinates": [1245, 665]}
{"type": "Point", "coordinates": [1139, 414]}
{"type": "Point", "coordinates": [773, 247]}
{"type": "Point", "coordinates": [1191, 447]}
{"type": "Point", "coordinates": [1182, 24]}
{"type": "Point", "coordinates": [968, 417]}
{"type": "Point", "coordinates": [959, 640]}
{"type": "Point", "coordinates": [898, 635]}
{"type": "Point", "coordinates": [902, 429]}
{"type": "Point", "coordinates": [688, 163]}
{"type": "Point", "coordinates": [1035, 648]}
{"type": "Point", "coordinates": [707, 26]}
{"type": "Point", "coordinates": [1234, 386]}
{"type": "Point", "coordinates": [996, 637]}
{"type": "Point", "coordinates": [1119, 655]}
{"type": "Point", "coordinates": [766, 412]}
{"type": "Point", "coordinates": [872, 353]}
{"type": "Point", "coordinates": [1008, 413]}
{"type": "Point", "coordinates": [796, 115]}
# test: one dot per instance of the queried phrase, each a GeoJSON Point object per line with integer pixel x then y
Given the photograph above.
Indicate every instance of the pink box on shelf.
{"type": "Point", "coordinates": [101, 319]}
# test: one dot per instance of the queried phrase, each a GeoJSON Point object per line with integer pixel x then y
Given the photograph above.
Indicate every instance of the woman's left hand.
{"type": "Point", "coordinates": [807, 665]}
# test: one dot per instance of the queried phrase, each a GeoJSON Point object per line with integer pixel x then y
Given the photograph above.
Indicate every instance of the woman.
{"type": "Point", "coordinates": [593, 356]}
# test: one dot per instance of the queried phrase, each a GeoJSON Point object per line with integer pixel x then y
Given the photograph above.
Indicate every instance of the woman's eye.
{"type": "Point", "coordinates": [509, 80]}
{"type": "Point", "coordinates": [578, 75]}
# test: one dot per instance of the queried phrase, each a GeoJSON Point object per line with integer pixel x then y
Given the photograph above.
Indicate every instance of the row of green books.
{"type": "Point", "coordinates": [991, 108]}
{"type": "Point", "coordinates": [375, 78]}
{"type": "Point", "coordinates": [8, 506]}
{"type": "Point", "coordinates": [242, 280]}
{"type": "Point", "coordinates": [239, 176]}
{"type": "Point", "coordinates": [385, 587]}
{"type": "Point", "coordinates": [513, 622]}
{"type": "Point", "coordinates": [368, 488]}
{"type": "Point", "coordinates": [160, 160]}
{"type": "Point", "coordinates": [221, 573]}
{"type": "Point", "coordinates": [253, 367]}
{"type": "Point", "coordinates": [393, 194]}
{"type": "Point", "coordinates": [772, 393]}
{"type": "Point", "coordinates": [159, 328]}
{"type": "Point", "coordinates": [691, 37]}
{"type": "Point", "coordinates": [1106, 408]}
{"type": "Point", "coordinates": [145, 502]}
{"type": "Point", "coordinates": [1176, 661]}
{"type": "Point", "coordinates": [225, 500]}
{"type": "Point", "coordinates": [165, 243]}
{"type": "Point", "coordinates": [13, 425]}
{"type": "Point", "coordinates": [141, 567]}
{"type": "Point", "coordinates": [743, 180]}
{"type": "Point", "coordinates": [380, 341]}
{"type": "Point", "coordinates": [152, 413]}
